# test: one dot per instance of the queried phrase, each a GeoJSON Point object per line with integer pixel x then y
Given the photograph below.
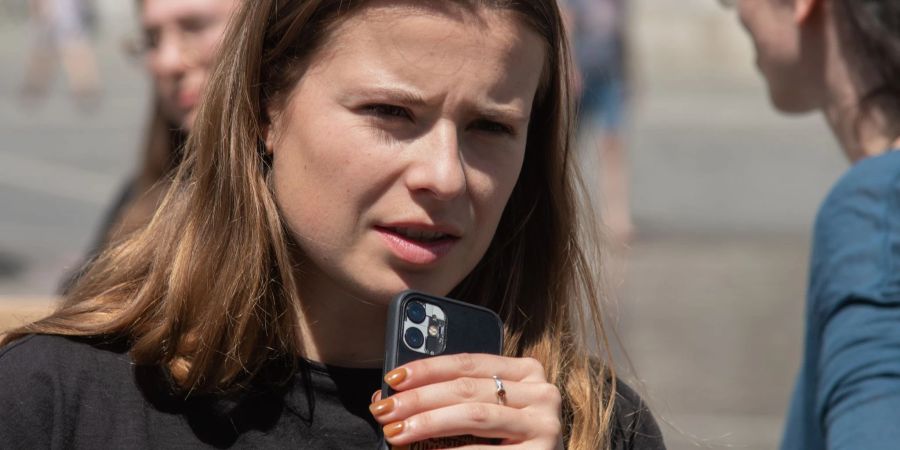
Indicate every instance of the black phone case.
{"type": "Point", "coordinates": [470, 329]}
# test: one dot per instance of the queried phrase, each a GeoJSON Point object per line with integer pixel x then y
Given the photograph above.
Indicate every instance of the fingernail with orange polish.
{"type": "Point", "coordinates": [382, 407]}
{"type": "Point", "coordinates": [393, 429]}
{"type": "Point", "coordinates": [376, 396]}
{"type": "Point", "coordinates": [395, 377]}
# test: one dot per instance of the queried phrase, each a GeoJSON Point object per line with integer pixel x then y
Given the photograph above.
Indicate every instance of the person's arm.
{"type": "Point", "coordinates": [859, 396]}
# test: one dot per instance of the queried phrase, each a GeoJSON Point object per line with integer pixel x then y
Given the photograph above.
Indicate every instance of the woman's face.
{"type": "Point", "coordinates": [181, 38]}
{"type": "Point", "coordinates": [782, 52]}
{"type": "Point", "coordinates": [395, 154]}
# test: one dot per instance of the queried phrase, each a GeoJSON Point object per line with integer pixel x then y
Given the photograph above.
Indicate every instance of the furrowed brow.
{"type": "Point", "coordinates": [402, 96]}
{"type": "Point", "coordinates": [501, 113]}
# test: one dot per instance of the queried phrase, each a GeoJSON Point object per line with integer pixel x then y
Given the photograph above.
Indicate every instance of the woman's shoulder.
{"type": "Point", "coordinates": [634, 427]}
{"type": "Point", "coordinates": [871, 180]}
{"type": "Point", "coordinates": [856, 234]}
{"type": "Point", "coordinates": [53, 382]}
{"type": "Point", "coordinates": [59, 360]}
{"type": "Point", "coordinates": [38, 347]}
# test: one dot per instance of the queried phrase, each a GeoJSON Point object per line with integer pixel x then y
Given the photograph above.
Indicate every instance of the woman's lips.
{"type": "Point", "coordinates": [187, 100]}
{"type": "Point", "coordinates": [413, 251]}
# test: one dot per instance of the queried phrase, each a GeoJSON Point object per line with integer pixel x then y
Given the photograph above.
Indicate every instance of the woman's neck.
{"type": "Point", "coordinates": [862, 134]}
{"type": "Point", "coordinates": [862, 130]}
{"type": "Point", "coordinates": [340, 329]}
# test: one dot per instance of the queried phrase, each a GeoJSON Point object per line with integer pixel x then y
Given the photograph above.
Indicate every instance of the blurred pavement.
{"type": "Point", "coordinates": [710, 294]}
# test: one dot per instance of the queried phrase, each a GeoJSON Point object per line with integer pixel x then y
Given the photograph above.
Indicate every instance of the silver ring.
{"type": "Point", "coordinates": [501, 391]}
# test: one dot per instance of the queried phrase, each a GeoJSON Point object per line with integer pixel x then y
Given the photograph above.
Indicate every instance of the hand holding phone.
{"type": "Point", "coordinates": [446, 383]}
{"type": "Point", "coordinates": [421, 325]}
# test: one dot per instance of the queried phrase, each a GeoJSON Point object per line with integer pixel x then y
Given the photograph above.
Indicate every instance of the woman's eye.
{"type": "Point", "coordinates": [388, 111]}
{"type": "Point", "coordinates": [196, 25]}
{"type": "Point", "coordinates": [151, 39]}
{"type": "Point", "coordinates": [493, 127]}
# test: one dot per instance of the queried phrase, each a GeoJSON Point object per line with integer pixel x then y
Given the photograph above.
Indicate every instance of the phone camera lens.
{"type": "Point", "coordinates": [414, 338]}
{"type": "Point", "coordinates": [415, 311]}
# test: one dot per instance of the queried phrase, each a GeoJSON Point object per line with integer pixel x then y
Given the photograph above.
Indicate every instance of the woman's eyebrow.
{"type": "Point", "coordinates": [501, 113]}
{"type": "Point", "coordinates": [402, 96]}
{"type": "Point", "coordinates": [410, 97]}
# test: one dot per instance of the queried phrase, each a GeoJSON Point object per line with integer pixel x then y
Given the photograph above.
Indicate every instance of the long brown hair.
{"type": "Point", "coordinates": [184, 300]}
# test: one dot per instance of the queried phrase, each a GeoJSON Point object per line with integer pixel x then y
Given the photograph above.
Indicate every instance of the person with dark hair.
{"type": "Point", "coordinates": [842, 57]}
{"type": "Point", "coordinates": [345, 151]}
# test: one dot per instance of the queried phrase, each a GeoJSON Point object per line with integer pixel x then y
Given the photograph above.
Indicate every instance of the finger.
{"type": "Point", "coordinates": [376, 396]}
{"type": "Point", "coordinates": [477, 419]}
{"type": "Point", "coordinates": [522, 446]}
{"type": "Point", "coordinates": [466, 390]}
{"type": "Point", "coordinates": [472, 365]}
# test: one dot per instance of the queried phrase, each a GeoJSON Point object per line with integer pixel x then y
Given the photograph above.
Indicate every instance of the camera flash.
{"type": "Point", "coordinates": [432, 330]}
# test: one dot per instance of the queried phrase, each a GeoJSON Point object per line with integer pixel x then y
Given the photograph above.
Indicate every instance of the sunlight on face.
{"type": "Point", "coordinates": [397, 151]}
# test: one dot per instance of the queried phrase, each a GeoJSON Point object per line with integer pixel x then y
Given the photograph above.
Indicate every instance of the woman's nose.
{"type": "Point", "coordinates": [168, 59]}
{"type": "Point", "coordinates": [437, 167]}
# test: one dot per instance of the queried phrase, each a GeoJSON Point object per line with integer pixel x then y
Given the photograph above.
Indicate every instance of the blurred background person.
{"type": "Point", "coordinates": [178, 43]}
{"type": "Point", "coordinates": [598, 31]}
{"type": "Point", "coordinates": [59, 33]}
{"type": "Point", "coordinates": [842, 58]}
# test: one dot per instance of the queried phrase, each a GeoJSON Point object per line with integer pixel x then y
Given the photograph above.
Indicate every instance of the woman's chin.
{"type": "Point", "coordinates": [382, 295]}
{"type": "Point", "coordinates": [788, 103]}
{"type": "Point", "coordinates": [786, 93]}
{"type": "Point", "coordinates": [187, 122]}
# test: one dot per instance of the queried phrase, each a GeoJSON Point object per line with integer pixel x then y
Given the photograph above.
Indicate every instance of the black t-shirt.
{"type": "Point", "coordinates": [58, 392]}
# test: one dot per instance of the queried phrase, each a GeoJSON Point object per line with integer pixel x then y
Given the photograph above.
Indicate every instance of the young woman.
{"type": "Point", "coordinates": [345, 151]}
{"type": "Point", "coordinates": [842, 57]}
{"type": "Point", "coordinates": [178, 44]}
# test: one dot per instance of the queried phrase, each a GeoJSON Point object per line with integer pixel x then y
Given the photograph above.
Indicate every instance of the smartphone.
{"type": "Point", "coordinates": [420, 325]}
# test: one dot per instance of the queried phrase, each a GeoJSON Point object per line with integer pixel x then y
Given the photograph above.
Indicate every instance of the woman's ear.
{"type": "Point", "coordinates": [269, 133]}
{"type": "Point", "coordinates": [805, 9]}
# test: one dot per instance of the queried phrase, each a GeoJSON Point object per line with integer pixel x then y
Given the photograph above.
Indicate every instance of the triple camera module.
{"type": "Point", "coordinates": [425, 328]}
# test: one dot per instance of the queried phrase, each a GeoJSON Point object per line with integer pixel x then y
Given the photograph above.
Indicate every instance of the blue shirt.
{"type": "Point", "coordinates": [848, 390]}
